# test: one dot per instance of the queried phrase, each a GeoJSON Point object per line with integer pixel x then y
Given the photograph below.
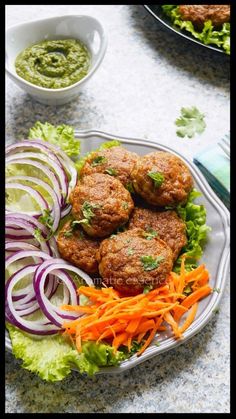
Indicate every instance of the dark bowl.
{"type": "Point", "coordinates": [158, 14]}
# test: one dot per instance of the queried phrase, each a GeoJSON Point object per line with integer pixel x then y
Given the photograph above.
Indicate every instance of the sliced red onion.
{"type": "Point", "coordinates": [35, 195]}
{"type": "Point", "coordinates": [24, 299]}
{"type": "Point", "coordinates": [65, 211]}
{"type": "Point", "coordinates": [18, 245]}
{"type": "Point", "coordinates": [48, 172]}
{"type": "Point", "coordinates": [44, 147]}
{"type": "Point", "coordinates": [31, 229]}
{"type": "Point", "coordinates": [55, 208]}
{"type": "Point", "coordinates": [50, 161]}
{"type": "Point", "coordinates": [17, 234]}
{"type": "Point", "coordinates": [35, 254]}
{"type": "Point", "coordinates": [40, 327]}
{"type": "Point", "coordinates": [53, 313]}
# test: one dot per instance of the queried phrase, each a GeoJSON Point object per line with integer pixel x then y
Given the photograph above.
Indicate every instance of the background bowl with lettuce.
{"type": "Point", "coordinates": [217, 39]}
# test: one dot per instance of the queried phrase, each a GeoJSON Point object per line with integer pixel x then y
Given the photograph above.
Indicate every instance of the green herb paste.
{"type": "Point", "coordinates": [54, 64]}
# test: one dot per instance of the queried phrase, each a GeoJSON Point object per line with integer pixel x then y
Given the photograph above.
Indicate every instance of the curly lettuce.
{"type": "Point", "coordinates": [194, 216]}
{"type": "Point", "coordinates": [52, 357]}
{"type": "Point", "coordinates": [209, 35]}
{"type": "Point", "coordinates": [60, 135]}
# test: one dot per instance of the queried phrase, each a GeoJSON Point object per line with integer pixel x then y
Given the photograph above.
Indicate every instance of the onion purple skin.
{"type": "Point", "coordinates": [38, 277]}
{"type": "Point", "coordinates": [61, 161]}
{"type": "Point", "coordinates": [22, 226]}
{"type": "Point", "coordinates": [10, 316]}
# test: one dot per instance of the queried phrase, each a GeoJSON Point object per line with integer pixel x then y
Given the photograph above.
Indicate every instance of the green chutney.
{"type": "Point", "coordinates": [54, 63]}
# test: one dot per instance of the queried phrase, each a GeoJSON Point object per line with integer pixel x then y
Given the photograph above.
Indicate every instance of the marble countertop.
{"type": "Point", "coordinates": [147, 75]}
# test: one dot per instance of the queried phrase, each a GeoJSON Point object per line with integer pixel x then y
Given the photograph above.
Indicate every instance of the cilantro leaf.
{"type": "Point", "coordinates": [129, 187]}
{"type": "Point", "coordinates": [147, 289]}
{"type": "Point", "coordinates": [130, 251]}
{"type": "Point", "coordinates": [190, 122]}
{"type": "Point", "coordinates": [149, 234]}
{"type": "Point", "coordinates": [87, 211]}
{"type": "Point", "coordinates": [98, 160]}
{"type": "Point", "coordinates": [38, 234]}
{"type": "Point", "coordinates": [187, 290]}
{"type": "Point", "coordinates": [110, 171]}
{"type": "Point", "coordinates": [157, 177]}
{"type": "Point", "coordinates": [73, 226]}
{"type": "Point", "coordinates": [149, 263]}
{"type": "Point", "coordinates": [46, 218]}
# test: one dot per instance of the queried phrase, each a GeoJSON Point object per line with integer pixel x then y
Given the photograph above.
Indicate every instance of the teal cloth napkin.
{"type": "Point", "coordinates": [215, 166]}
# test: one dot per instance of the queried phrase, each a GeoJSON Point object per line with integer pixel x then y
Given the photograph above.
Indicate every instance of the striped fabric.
{"type": "Point", "coordinates": [215, 166]}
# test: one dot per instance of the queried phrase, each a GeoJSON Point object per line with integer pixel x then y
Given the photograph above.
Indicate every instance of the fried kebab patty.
{"type": "Point", "coordinates": [101, 203]}
{"type": "Point", "coordinates": [166, 224]}
{"type": "Point", "coordinates": [162, 179]}
{"type": "Point", "coordinates": [199, 14]}
{"type": "Point", "coordinates": [115, 161]}
{"type": "Point", "coordinates": [78, 248]}
{"type": "Point", "coordinates": [129, 262]}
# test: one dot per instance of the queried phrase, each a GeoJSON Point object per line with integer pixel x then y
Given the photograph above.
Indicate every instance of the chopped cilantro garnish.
{"type": "Point", "coordinates": [157, 178]}
{"type": "Point", "coordinates": [87, 211]}
{"type": "Point", "coordinates": [98, 160]}
{"type": "Point", "coordinates": [190, 122]}
{"type": "Point", "coordinates": [147, 289]}
{"type": "Point", "coordinates": [149, 263]}
{"type": "Point", "coordinates": [38, 234]}
{"type": "Point", "coordinates": [149, 234]}
{"type": "Point", "coordinates": [46, 218]}
{"type": "Point", "coordinates": [130, 251]}
{"type": "Point", "coordinates": [187, 290]}
{"type": "Point", "coordinates": [129, 187]}
{"type": "Point", "coordinates": [125, 205]}
{"type": "Point", "coordinates": [73, 226]}
{"type": "Point", "coordinates": [68, 233]}
{"type": "Point", "coordinates": [110, 171]}
{"type": "Point", "coordinates": [216, 290]}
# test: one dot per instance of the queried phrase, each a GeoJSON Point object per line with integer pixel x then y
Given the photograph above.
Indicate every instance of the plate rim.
{"type": "Point", "coordinates": [179, 32]}
{"type": "Point", "coordinates": [223, 268]}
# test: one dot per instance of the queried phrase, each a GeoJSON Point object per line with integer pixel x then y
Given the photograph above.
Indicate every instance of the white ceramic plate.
{"type": "Point", "coordinates": [216, 254]}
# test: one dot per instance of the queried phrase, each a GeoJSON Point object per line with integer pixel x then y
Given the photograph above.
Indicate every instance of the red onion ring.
{"type": "Point", "coordinates": [35, 194]}
{"type": "Point", "coordinates": [42, 327]}
{"type": "Point", "coordinates": [44, 147]}
{"type": "Point", "coordinates": [55, 208]}
{"type": "Point", "coordinates": [50, 161]}
{"type": "Point", "coordinates": [23, 222]}
{"type": "Point", "coordinates": [48, 172]}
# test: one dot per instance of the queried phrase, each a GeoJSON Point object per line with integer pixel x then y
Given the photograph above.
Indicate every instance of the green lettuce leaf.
{"type": "Point", "coordinates": [61, 135]}
{"type": "Point", "coordinates": [53, 357]}
{"type": "Point", "coordinates": [209, 35]}
{"type": "Point", "coordinates": [108, 144]}
{"type": "Point", "coordinates": [194, 216]}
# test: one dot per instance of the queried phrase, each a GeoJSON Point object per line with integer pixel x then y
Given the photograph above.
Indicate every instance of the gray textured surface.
{"type": "Point", "coordinates": [147, 75]}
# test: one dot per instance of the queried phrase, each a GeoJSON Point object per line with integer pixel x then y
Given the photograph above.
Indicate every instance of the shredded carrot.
{"type": "Point", "coordinates": [196, 295]}
{"type": "Point", "coordinates": [148, 341]}
{"type": "Point", "coordinates": [178, 312]}
{"type": "Point", "coordinates": [120, 320]}
{"type": "Point", "coordinates": [169, 319]}
{"type": "Point", "coordinates": [189, 318]}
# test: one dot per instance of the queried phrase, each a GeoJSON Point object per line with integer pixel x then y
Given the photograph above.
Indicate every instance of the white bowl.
{"type": "Point", "coordinates": [84, 28]}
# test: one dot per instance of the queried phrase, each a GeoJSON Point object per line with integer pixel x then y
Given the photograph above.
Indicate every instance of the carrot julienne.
{"type": "Point", "coordinates": [121, 320]}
